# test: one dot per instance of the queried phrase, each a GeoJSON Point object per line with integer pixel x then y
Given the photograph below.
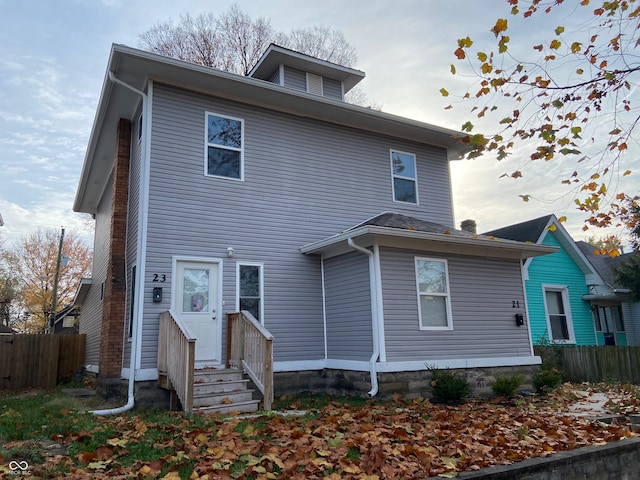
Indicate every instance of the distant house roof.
{"type": "Point", "coordinates": [529, 231]}
{"type": "Point", "coordinates": [5, 329]}
{"type": "Point", "coordinates": [535, 231]}
{"type": "Point", "coordinates": [397, 230]}
{"type": "Point", "coordinates": [604, 264]}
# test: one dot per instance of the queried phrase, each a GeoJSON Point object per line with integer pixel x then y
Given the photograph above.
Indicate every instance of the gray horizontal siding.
{"type": "Point", "coordinates": [294, 78]}
{"type": "Point", "coordinates": [304, 180]}
{"type": "Point", "coordinates": [631, 318]}
{"type": "Point", "coordinates": [331, 88]}
{"type": "Point", "coordinates": [275, 76]}
{"type": "Point", "coordinates": [482, 291]}
{"type": "Point", "coordinates": [91, 311]}
{"type": "Point", "coordinates": [348, 307]}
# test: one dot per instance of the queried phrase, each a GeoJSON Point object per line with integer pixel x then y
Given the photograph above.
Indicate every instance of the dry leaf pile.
{"type": "Point", "coordinates": [381, 440]}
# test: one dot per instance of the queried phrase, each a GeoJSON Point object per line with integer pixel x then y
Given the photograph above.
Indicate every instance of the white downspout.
{"type": "Point", "coordinates": [133, 357]}
{"type": "Point", "coordinates": [374, 315]}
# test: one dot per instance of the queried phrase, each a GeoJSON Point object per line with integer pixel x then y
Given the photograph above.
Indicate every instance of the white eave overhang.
{"type": "Point", "coordinates": [81, 292]}
{"type": "Point", "coordinates": [136, 67]}
{"type": "Point", "coordinates": [369, 235]}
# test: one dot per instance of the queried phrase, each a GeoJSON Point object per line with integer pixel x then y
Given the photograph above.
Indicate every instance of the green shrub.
{"type": "Point", "coordinates": [506, 386]}
{"type": "Point", "coordinates": [447, 387]}
{"type": "Point", "coordinates": [546, 380]}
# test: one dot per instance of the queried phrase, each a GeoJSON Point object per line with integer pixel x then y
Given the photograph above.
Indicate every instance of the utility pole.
{"type": "Point", "coordinates": [54, 300]}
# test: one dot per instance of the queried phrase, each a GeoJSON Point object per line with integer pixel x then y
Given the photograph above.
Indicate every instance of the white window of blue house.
{"type": "Point", "coordinates": [405, 182]}
{"type": "Point", "coordinates": [434, 305]}
{"type": "Point", "coordinates": [249, 289]}
{"type": "Point", "coordinates": [558, 312]}
{"type": "Point", "coordinates": [224, 147]}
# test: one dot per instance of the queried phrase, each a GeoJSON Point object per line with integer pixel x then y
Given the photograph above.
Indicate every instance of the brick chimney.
{"type": "Point", "coordinates": [113, 310]}
{"type": "Point", "coordinates": [469, 226]}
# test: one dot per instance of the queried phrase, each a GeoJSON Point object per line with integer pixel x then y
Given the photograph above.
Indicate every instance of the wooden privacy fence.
{"type": "Point", "coordinates": [595, 364]}
{"type": "Point", "coordinates": [39, 360]}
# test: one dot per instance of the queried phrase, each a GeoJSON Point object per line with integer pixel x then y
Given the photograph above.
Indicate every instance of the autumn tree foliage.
{"type": "Point", "coordinates": [34, 263]}
{"type": "Point", "coordinates": [10, 290]}
{"type": "Point", "coordinates": [565, 97]}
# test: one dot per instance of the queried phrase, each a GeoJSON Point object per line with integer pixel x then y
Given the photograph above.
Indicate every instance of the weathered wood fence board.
{"type": "Point", "coordinates": [596, 364]}
{"type": "Point", "coordinates": [39, 360]}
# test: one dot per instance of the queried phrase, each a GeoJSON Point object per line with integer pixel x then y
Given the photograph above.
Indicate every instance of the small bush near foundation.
{"type": "Point", "coordinates": [506, 386]}
{"type": "Point", "coordinates": [447, 387]}
{"type": "Point", "coordinates": [546, 380]}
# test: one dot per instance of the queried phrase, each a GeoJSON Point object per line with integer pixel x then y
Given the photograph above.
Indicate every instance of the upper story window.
{"type": "Point", "coordinates": [224, 146]}
{"type": "Point", "coordinates": [434, 305]}
{"type": "Point", "coordinates": [559, 323]}
{"type": "Point", "coordinates": [405, 182]}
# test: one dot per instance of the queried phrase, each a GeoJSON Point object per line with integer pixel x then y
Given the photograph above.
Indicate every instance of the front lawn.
{"type": "Point", "coordinates": [47, 435]}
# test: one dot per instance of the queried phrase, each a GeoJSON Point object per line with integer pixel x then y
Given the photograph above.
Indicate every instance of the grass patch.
{"type": "Point", "coordinates": [313, 401]}
{"type": "Point", "coordinates": [44, 415]}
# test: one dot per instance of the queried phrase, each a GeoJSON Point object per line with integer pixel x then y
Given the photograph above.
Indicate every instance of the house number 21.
{"type": "Point", "coordinates": [159, 277]}
{"type": "Point", "coordinates": [515, 304]}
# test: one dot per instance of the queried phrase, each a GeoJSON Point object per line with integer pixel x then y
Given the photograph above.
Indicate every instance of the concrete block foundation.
{"type": "Point", "coordinates": [408, 384]}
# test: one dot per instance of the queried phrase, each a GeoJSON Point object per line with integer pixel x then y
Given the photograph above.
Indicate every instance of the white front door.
{"type": "Point", "coordinates": [196, 303]}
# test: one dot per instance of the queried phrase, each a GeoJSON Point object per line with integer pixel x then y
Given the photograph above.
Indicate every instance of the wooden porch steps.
{"type": "Point", "coordinates": [222, 390]}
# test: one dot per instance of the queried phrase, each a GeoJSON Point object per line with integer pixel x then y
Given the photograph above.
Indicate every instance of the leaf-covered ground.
{"type": "Point", "coordinates": [336, 440]}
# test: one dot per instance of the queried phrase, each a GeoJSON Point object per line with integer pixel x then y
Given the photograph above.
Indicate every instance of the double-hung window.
{"type": "Point", "coordinates": [224, 146]}
{"type": "Point", "coordinates": [249, 289]}
{"type": "Point", "coordinates": [434, 305]}
{"type": "Point", "coordinates": [403, 171]}
{"type": "Point", "coordinates": [560, 325]}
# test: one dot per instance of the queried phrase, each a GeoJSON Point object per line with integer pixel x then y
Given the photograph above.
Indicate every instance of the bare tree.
{"type": "Point", "coordinates": [320, 42]}
{"type": "Point", "coordinates": [245, 39]}
{"type": "Point", "coordinates": [234, 42]}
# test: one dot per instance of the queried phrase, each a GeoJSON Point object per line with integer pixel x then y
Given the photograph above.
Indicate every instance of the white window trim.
{"type": "Point", "coordinates": [223, 147]}
{"type": "Point", "coordinates": [393, 176]}
{"type": "Point", "coordinates": [313, 79]}
{"type": "Point", "coordinates": [446, 295]}
{"type": "Point", "coordinates": [261, 276]}
{"type": "Point", "coordinates": [564, 289]}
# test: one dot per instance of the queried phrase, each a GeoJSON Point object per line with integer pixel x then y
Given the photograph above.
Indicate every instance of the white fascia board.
{"type": "Point", "coordinates": [592, 277]}
{"type": "Point", "coordinates": [409, 366]}
{"type": "Point", "coordinates": [525, 250]}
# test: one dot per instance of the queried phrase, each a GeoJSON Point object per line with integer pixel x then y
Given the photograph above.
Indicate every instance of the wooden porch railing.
{"type": "Point", "coordinates": [250, 346]}
{"type": "Point", "coordinates": [176, 358]}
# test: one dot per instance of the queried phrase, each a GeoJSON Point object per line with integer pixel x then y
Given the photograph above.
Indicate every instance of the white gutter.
{"type": "Point", "coordinates": [142, 215]}
{"type": "Point", "coordinates": [374, 315]}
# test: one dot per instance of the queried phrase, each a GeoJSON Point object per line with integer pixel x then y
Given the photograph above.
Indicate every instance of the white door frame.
{"type": "Point", "coordinates": [174, 282]}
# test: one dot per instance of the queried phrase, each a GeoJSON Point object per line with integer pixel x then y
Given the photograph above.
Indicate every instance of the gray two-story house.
{"type": "Point", "coordinates": [328, 225]}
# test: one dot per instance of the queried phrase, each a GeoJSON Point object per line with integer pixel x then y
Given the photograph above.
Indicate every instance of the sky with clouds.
{"type": "Point", "coordinates": [53, 55]}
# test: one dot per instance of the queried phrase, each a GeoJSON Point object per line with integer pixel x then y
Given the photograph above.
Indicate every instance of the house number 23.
{"type": "Point", "coordinates": [159, 277]}
{"type": "Point", "coordinates": [515, 304]}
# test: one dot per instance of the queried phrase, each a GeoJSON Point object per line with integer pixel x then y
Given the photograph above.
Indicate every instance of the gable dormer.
{"type": "Point", "coordinates": [302, 72]}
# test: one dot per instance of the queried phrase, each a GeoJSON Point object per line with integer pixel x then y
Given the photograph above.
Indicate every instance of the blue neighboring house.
{"type": "Point", "coordinates": [616, 317]}
{"type": "Point", "coordinates": [557, 285]}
